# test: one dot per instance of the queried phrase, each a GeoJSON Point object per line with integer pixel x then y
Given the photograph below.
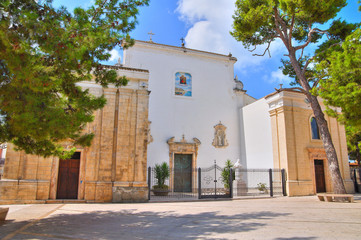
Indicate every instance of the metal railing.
{"type": "Point", "coordinates": [180, 184]}
{"type": "Point", "coordinates": [259, 182]}
{"type": "Point", "coordinates": [356, 179]}
{"type": "Point", "coordinates": [208, 183]}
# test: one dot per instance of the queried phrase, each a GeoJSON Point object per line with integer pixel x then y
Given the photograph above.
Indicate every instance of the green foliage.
{"type": "Point", "coordinates": [260, 22]}
{"type": "Point", "coordinates": [262, 187]}
{"type": "Point", "coordinates": [337, 33]}
{"type": "Point", "coordinates": [354, 143]}
{"type": "Point", "coordinates": [254, 20]}
{"type": "Point", "coordinates": [44, 54]}
{"type": "Point", "coordinates": [161, 172]}
{"type": "Point", "coordinates": [342, 87]}
{"type": "Point", "coordinates": [225, 174]}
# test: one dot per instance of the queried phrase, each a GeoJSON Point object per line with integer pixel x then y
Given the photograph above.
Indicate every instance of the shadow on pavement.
{"type": "Point", "coordinates": [296, 238]}
{"type": "Point", "coordinates": [129, 224]}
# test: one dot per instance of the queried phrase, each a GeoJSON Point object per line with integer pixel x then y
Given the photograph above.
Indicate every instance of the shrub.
{"type": "Point", "coordinates": [161, 172]}
{"type": "Point", "coordinates": [225, 174]}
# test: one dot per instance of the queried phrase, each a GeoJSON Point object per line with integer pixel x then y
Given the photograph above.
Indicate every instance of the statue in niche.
{"type": "Point", "coordinates": [220, 140]}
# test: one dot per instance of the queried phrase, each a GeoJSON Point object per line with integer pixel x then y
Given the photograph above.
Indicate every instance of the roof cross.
{"type": "Point", "coordinates": [182, 39]}
{"type": "Point", "coordinates": [150, 35]}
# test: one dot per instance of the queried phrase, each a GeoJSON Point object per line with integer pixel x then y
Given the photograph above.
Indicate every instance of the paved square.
{"type": "Point", "coordinates": [277, 218]}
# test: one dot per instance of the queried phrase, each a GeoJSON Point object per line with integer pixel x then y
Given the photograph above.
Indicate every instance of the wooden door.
{"type": "Point", "coordinates": [68, 178]}
{"type": "Point", "coordinates": [320, 176]}
{"type": "Point", "coordinates": [183, 172]}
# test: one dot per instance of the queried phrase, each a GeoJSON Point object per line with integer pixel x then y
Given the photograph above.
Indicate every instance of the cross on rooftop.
{"type": "Point", "coordinates": [150, 35]}
{"type": "Point", "coordinates": [182, 39]}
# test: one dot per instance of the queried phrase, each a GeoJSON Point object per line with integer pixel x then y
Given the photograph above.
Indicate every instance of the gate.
{"type": "Point", "coordinates": [215, 182]}
{"type": "Point", "coordinates": [212, 183]}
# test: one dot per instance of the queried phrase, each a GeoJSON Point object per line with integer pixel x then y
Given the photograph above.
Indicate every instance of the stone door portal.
{"type": "Point", "coordinates": [68, 177]}
{"type": "Point", "coordinates": [183, 172]}
{"type": "Point", "coordinates": [320, 176]}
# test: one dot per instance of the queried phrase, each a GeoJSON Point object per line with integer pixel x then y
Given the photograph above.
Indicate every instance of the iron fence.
{"type": "Point", "coordinates": [356, 178]}
{"type": "Point", "coordinates": [209, 183]}
{"type": "Point", "coordinates": [180, 184]}
{"type": "Point", "coordinates": [259, 182]}
{"type": "Point", "coordinates": [215, 182]}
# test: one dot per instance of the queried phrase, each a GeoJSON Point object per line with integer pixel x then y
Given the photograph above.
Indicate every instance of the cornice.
{"type": "Point", "coordinates": [184, 50]}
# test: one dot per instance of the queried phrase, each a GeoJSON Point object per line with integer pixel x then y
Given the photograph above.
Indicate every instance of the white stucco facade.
{"type": "Point", "coordinates": [258, 135]}
{"type": "Point", "coordinates": [213, 100]}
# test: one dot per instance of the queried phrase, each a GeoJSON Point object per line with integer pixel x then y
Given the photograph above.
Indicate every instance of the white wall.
{"type": "Point", "coordinates": [258, 135]}
{"type": "Point", "coordinates": [213, 100]}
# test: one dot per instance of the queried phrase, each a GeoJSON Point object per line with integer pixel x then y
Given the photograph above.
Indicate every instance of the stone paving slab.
{"type": "Point", "coordinates": [276, 218]}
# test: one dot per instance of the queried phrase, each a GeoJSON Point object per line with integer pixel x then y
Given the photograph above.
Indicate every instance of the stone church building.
{"type": "Point", "coordinates": [184, 107]}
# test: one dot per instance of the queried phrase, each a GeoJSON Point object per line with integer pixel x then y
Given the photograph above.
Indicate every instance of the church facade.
{"type": "Point", "coordinates": [183, 107]}
{"type": "Point", "coordinates": [194, 106]}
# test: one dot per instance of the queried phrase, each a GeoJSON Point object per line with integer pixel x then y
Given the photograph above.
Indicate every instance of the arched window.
{"type": "Point", "coordinates": [314, 129]}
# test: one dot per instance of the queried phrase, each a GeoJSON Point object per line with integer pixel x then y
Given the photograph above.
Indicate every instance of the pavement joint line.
{"type": "Point", "coordinates": [11, 235]}
{"type": "Point", "coordinates": [50, 235]}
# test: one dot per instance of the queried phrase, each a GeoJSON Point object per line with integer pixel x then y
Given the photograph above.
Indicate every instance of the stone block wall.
{"type": "Point", "coordinates": [117, 156]}
{"type": "Point", "coordinates": [295, 150]}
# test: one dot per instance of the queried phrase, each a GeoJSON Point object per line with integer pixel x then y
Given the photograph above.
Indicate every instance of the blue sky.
{"type": "Point", "coordinates": [205, 25]}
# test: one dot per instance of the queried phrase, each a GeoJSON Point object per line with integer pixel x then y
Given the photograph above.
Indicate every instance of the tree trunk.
{"type": "Point", "coordinates": [334, 170]}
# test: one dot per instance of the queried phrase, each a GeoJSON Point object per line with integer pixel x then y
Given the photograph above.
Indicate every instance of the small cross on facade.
{"type": "Point", "coordinates": [150, 36]}
{"type": "Point", "coordinates": [182, 39]}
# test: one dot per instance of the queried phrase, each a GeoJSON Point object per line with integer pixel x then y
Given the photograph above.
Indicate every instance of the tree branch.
{"type": "Point", "coordinates": [255, 47]}
{"type": "Point", "coordinates": [309, 36]}
{"type": "Point", "coordinates": [97, 10]}
{"type": "Point", "coordinates": [293, 88]}
{"type": "Point", "coordinates": [300, 55]}
{"type": "Point", "coordinates": [306, 64]}
{"type": "Point", "coordinates": [267, 49]}
{"type": "Point", "coordinates": [316, 83]}
{"type": "Point", "coordinates": [291, 29]}
{"type": "Point", "coordinates": [282, 35]}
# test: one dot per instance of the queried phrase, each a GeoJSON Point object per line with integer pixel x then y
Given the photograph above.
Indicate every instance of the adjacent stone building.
{"type": "Point", "coordinates": [113, 169]}
{"type": "Point", "coordinates": [281, 132]}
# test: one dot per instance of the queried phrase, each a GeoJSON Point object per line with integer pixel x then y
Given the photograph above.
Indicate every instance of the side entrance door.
{"type": "Point", "coordinates": [183, 172]}
{"type": "Point", "coordinates": [320, 176]}
{"type": "Point", "coordinates": [68, 177]}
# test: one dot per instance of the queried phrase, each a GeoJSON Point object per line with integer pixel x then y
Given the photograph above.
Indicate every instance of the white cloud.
{"type": "Point", "coordinates": [210, 23]}
{"type": "Point", "coordinates": [114, 55]}
{"type": "Point", "coordinates": [277, 77]}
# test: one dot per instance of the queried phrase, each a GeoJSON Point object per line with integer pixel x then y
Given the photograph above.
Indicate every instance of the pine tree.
{"type": "Point", "coordinates": [295, 23]}
{"type": "Point", "coordinates": [44, 53]}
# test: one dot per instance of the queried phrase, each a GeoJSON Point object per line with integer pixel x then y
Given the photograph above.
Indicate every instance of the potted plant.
{"type": "Point", "coordinates": [161, 173]}
{"type": "Point", "coordinates": [225, 175]}
{"type": "Point", "coordinates": [262, 187]}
